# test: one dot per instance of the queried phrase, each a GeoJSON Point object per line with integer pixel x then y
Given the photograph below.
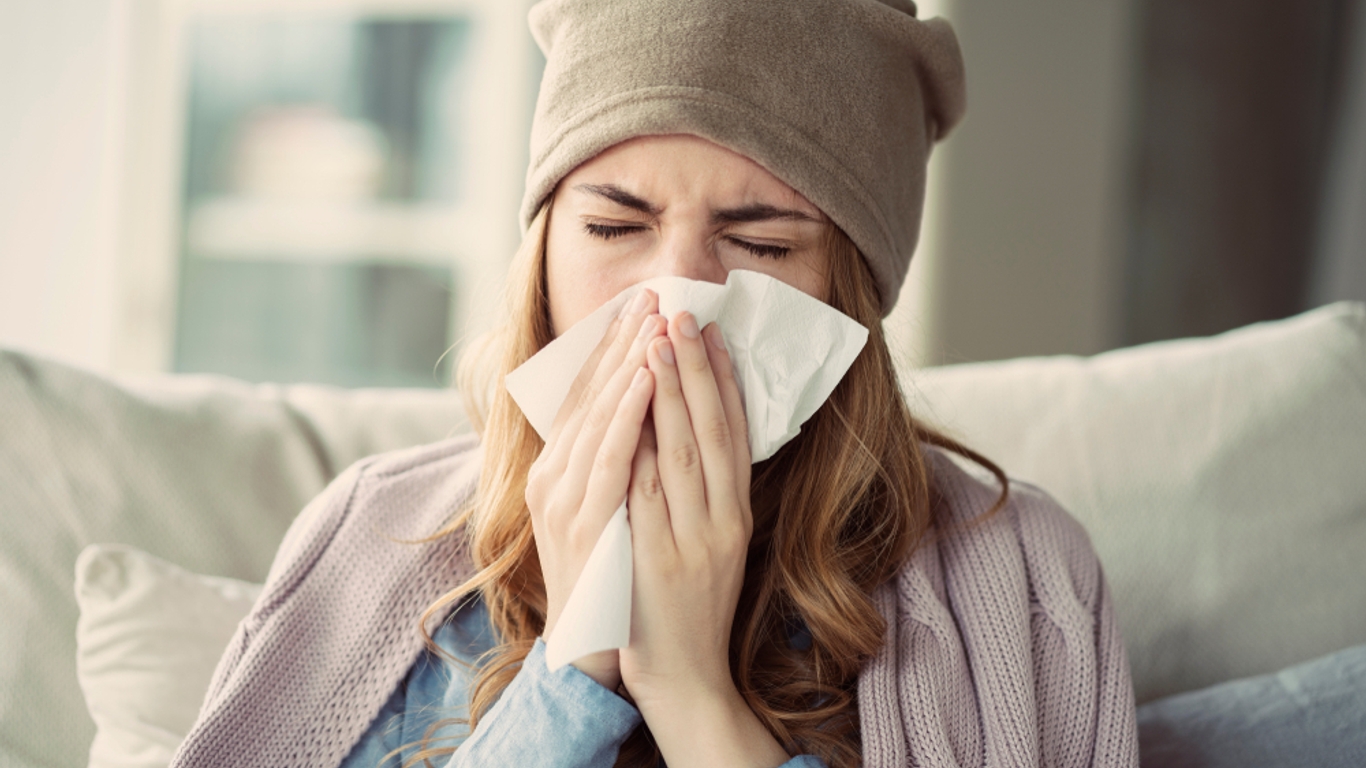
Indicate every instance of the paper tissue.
{"type": "Point", "coordinates": [789, 351]}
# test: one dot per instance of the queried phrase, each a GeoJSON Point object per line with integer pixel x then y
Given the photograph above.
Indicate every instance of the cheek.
{"type": "Point", "coordinates": [810, 273]}
{"type": "Point", "coordinates": [805, 272]}
{"type": "Point", "coordinates": [578, 280]}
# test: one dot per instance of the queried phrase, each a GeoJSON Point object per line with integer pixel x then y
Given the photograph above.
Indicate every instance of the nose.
{"type": "Point", "coordinates": [688, 252]}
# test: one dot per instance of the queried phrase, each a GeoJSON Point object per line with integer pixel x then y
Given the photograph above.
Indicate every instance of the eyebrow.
{"type": "Point", "coordinates": [744, 214]}
{"type": "Point", "coordinates": [759, 212]}
{"type": "Point", "coordinates": [620, 197]}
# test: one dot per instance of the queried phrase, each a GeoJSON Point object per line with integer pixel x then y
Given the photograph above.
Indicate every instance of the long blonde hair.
{"type": "Point", "coordinates": [836, 513]}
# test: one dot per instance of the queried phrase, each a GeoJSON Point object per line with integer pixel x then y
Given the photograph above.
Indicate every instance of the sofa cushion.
{"type": "Point", "coordinates": [1308, 715]}
{"type": "Point", "coordinates": [202, 471]}
{"type": "Point", "coordinates": [1222, 480]}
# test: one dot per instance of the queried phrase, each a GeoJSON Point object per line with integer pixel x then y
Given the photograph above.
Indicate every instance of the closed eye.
{"type": "Point", "coordinates": [760, 249]}
{"type": "Point", "coordinates": [609, 231]}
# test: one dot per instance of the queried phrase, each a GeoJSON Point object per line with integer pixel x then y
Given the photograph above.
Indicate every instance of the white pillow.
{"type": "Point", "coordinates": [1222, 480]}
{"type": "Point", "coordinates": [149, 636]}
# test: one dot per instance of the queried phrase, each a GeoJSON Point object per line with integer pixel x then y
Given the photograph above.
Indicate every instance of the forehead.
{"type": "Point", "coordinates": [683, 169]}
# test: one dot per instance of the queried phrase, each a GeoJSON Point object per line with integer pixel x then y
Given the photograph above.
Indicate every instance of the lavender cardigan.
{"type": "Point", "coordinates": [1001, 647]}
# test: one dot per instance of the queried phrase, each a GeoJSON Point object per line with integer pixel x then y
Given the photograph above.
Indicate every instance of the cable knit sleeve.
{"type": "Point", "coordinates": [1002, 646]}
{"type": "Point", "coordinates": [305, 540]}
{"type": "Point", "coordinates": [1084, 695]}
{"type": "Point", "coordinates": [336, 627]}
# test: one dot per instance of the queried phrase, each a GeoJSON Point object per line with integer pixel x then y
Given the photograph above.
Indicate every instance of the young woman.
{"type": "Point", "coordinates": [862, 597]}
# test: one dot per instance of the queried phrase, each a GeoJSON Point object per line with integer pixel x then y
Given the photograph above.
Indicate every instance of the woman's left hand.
{"type": "Point", "coordinates": [690, 529]}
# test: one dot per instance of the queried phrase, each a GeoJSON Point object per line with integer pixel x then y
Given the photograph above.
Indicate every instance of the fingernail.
{"type": "Point", "coordinates": [641, 302]}
{"type": "Point", "coordinates": [715, 337]}
{"type": "Point", "coordinates": [639, 380]}
{"type": "Point", "coordinates": [666, 351]}
{"type": "Point", "coordinates": [688, 325]}
{"type": "Point", "coordinates": [647, 327]}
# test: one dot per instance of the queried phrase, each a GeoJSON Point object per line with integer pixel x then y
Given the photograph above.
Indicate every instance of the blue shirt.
{"type": "Point", "coordinates": [561, 719]}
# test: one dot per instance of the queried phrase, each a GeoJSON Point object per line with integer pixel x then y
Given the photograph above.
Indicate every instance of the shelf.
{"type": "Point", "coordinates": [256, 229]}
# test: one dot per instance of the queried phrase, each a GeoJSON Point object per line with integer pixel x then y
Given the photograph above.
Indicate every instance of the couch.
{"type": "Point", "coordinates": [1222, 480]}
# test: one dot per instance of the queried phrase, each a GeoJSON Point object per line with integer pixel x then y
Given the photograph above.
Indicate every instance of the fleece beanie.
{"type": "Point", "coordinates": [840, 99]}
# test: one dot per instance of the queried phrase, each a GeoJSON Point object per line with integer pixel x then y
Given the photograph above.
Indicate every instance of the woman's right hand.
{"type": "Point", "coordinates": [582, 474]}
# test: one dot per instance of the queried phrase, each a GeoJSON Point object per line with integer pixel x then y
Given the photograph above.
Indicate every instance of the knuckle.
{"type": "Point", "coordinates": [734, 536]}
{"type": "Point", "coordinates": [669, 384]}
{"type": "Point", "coordinates": [665, 563]}
{"type": "Point", "coordinates": [586, 397]}
{"type": "Point", "coordinates": [723, 371]}
{"type": "Point", "coordinates": [717, 432]}
{"type": "Point", "coordinates": [607, 458]}
{"type": "Point", "coordinates": [649, 486]}
{"type": "Point", "coordinates": [535, 499]}
{"type": "Point", "coordinates": [723, 554]}
{"type": "Point", "coordinates": [685, 456]}
{"type": "Point", "coordinates": [536, 490]}
{"type": "Point", "coordinates": [696, 363]}
{"type": "Point", "coordinates": [708, 559]}
{"type": "Point", "coordinates": [596, 419]}
{"type": "Point", "coordinates": [580, 538]}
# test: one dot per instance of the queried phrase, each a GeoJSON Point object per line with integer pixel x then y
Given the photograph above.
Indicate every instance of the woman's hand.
{"type": "Point", "coordinates": [583, 473]}
{"type": "Point", "coordinates": [690, 529]}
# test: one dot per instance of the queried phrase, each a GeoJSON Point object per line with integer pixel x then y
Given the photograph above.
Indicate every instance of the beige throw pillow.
{"type": "Point", "coordinates": [149, 636]}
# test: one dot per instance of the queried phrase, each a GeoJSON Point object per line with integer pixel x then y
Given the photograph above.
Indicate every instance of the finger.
{"type": "Point", "coordinates": [710, 428]}
{"type": "Point", "coordinates": [647, 507]}
{"type": "Point", "coordinates": [731, 399]}
{"type": "Point", "coordinates": [611, 474]}
{"type": "Point", "coordinates": [680, 464]}
{"type": "Point", "coordinates": [592, 428]}
{"type": "Point", "coordinates": [584, 377]}
{"type": "Point", "coordinates": [606, 382]}
{"type": "Point", "coordinates": [604, 360]}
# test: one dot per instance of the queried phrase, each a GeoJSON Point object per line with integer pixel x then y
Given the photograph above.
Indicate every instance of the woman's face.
{"type": "Point", "coordinates": [675, 205]}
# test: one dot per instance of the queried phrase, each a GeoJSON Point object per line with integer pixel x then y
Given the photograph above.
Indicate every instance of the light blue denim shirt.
{"type": "Point", "coordinates": [562, 719]}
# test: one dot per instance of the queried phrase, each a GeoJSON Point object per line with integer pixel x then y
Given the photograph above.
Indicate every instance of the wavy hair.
{"type": "Point", "coordinates": [837, 511]}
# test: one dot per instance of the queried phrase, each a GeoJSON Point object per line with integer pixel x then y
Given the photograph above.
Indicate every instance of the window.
{"type": "Point", "coordinates": [343, 191]}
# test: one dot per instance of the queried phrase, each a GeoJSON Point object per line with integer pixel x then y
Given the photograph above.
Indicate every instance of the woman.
{"type": "Point", "coordinates": [860, 598]}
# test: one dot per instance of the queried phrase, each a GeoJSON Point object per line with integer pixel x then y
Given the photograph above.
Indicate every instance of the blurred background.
{"type": "Point", "coordinates": [326, 190]}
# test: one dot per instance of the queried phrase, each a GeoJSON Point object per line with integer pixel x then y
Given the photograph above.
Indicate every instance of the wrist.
{"type": "Point", "coordinates": [603, 667]}
{"type": "Point", "coordinates": [710, 727]}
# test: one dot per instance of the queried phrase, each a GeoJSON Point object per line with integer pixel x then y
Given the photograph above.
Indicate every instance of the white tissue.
{"type": "Point", "coordinates": [789, 351]}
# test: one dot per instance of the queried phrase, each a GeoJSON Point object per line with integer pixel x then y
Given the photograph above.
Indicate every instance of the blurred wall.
{"type": "Point", "coordinates": [1021, 250]}
{"type": "Point", "coordinates": [59, 102]}
{"type": "Point", "coordinates": [1339, 271]}
{"type": "Point", "coordinates": [1233, 120]}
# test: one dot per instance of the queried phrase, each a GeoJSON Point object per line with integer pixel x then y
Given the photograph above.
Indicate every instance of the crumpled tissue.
{"type": "Point", "coordinates": [789, 350]}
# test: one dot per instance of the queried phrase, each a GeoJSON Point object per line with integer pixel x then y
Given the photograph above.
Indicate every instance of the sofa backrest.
{"type": "Point", "coordinates": [1221, 480]}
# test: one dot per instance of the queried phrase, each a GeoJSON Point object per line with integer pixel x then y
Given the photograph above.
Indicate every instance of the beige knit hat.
{"type": "Point", "coordinates": [841, 99]}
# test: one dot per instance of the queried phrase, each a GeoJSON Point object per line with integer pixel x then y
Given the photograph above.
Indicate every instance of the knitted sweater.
{"type": "Point", "coordinates": [1001, 645]}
